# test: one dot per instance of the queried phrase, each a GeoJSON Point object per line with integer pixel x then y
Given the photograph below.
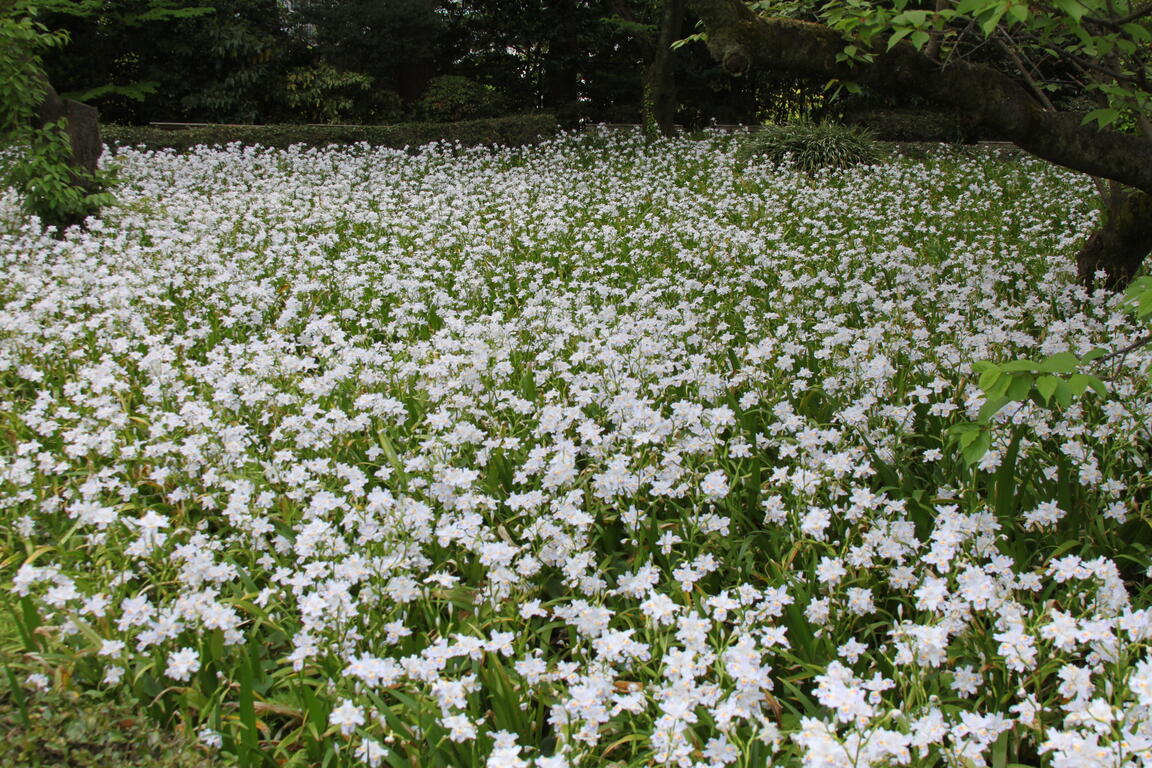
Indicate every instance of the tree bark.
{"type": "Point", "coordinates": [660, 79]}
{"type": "Point", "coordinates": [1124, 239]}
{"type": "Point", "coordinates": [739, 40]}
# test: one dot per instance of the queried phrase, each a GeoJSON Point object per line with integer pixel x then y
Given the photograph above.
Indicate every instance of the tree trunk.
{"type": "Point", "coordinates": [660, 79]}
{"type": "Point", "coordinates": [739, 40]}
{"type": "Point", "coordinates": [1120, 245]}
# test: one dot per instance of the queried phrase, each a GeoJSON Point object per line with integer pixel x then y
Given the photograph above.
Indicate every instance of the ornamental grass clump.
{"type": "Point", "coordinates": [576, 456]}
{"type": "Point", "coordinates": [811, 147]}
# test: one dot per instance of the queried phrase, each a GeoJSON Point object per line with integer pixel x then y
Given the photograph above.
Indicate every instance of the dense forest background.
{"type": "Point", "coordinates": [383, 61]}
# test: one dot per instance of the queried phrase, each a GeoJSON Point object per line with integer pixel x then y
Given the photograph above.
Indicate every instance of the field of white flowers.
{"type": "Point", "coordinates": [591, 454]}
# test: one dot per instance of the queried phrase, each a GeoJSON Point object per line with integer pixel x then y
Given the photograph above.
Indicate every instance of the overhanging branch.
{"type": "Point", "coordinates": [741, 40]}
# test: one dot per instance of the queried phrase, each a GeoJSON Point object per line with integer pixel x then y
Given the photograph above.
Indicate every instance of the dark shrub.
{"type": "Point", "coordinates": [450, 98]}
{"type": "Point", "coordinates": [810, 147]}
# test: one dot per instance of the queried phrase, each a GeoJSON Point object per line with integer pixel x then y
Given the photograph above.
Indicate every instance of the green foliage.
{"type": "Point", "coordinates": [811, 147]}
{"type": "Point", "coordinates": [87, 731]}
{"type": "Point", "coordinates": [1138, 298]}
{"type": "Point", "coordinates": [1097, 48]}
{"type": "Point", "coordinates": [172, 59]}
{"type": "Point", "coordinates": [1055, 382]}
{"type": "Point", "coordinates": [396, 43]}
{"type": "Point", "coordinates": [54, 723]}
{"type": "Point", "coordinates": [51, 188]}
{"type": "Point", "coordinates": [323, 94]}
{"type": "Point", "coordinates": [235, 56]}
{"type": "Point", "coordinates": [451, 98]}
{"type": "Point", "coordinates": [507, 131]}
{"type": "Point", "coordinates": [21, 77]}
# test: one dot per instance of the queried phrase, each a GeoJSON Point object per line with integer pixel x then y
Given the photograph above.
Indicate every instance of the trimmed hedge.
{"type": "Point", "coordinates": [515, 130]}
{"type": "Point", "coordinates": [913, 125]}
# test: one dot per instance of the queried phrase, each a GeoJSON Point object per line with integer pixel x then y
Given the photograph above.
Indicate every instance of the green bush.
{"type": "Point", "coordinates": [323, 94]}
{"type": "Point", "coordinates": [811, 147]}
{"type": "Point", "coordinates": [383, 105]}
{"type": "Point", "coordinates": [450, 98]}
{"type": "Point", "coordinates": [515, 130]}
{"type": "Point", "coordinates": [52, 187]}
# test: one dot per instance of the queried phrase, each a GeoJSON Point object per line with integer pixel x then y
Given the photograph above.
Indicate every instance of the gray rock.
{"type": "Point", "coordinates": [83, 131]}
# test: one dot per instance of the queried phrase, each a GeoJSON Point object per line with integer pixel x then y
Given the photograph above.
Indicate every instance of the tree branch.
{"type": "Point", "coordinates": [1124, 351]}
{"type": "Point", "coordinates": [1118, 23]}
{"type": "Point", "coordinates": [740, 40]}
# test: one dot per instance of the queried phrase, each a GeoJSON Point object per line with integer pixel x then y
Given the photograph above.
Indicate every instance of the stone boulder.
{"type": "Point", "coordinates": [83, 129]}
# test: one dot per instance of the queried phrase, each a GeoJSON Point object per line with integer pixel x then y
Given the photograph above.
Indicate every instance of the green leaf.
{"type": "Point", "coordinates": [989, 377]}
{"type": "Point", "coordinates": [897, 36]}
{"type": "Point", "coordinates": [1096, 384]}
{"type": "Point", "coordinates": [999, 388]}
{"type": "Point", "coordinates": [964, 432]}
{"type": "Point", "coordinates": [974, 452]}
{"type": "Point", "coordinates": [390, 451]}
{"type": "Point", "coordinates": [1104, 117]}
{"type": "Point", "coordinates": [16, 691]}
{"type": "Point", "coordinates": [1072, 8]}
{"type": "Point", "coordinates": [991, 21]}
{"type": "Point", "coordinates": [1020, 387]}
{"type": "Point", "coordinates": [1005, 479]}
{"type": "Point", "coordinates": [1061, 362]}
{"type": "Point", "coordinates": [247, 706]}
{"type": "Point", "coordinates": [974, 7]}
{"type": "Point", "coordinates": [1077, 383]}
{"type": "Point", "coordinates": [134, 91]}
{"type": "Point", "coordinates": [29, 625]}
{"type": "Point", "coordinates": [1093, 354]}
{"type": "Point", "coordinates": [1046, 386]}
{"type": "Point", "coordinates": [1000, 752]}
{"type": "Point", "coordinates": [528, 386]}
{"type": "Point", "coordinates": [991, 408]}
{"type": "Point", "coordinates": [1064, 395]}
{"type": "Point", "coordinates": [1023, 365]}
{"type": "Point", "coordinates": [1137, 32]}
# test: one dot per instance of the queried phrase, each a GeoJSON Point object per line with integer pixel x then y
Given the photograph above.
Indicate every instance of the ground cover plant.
{"type": "Point", "coordinates": [593, 453]}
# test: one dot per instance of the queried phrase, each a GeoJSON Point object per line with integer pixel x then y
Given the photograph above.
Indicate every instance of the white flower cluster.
{"type": "Point", "coordinates": [581, 453]}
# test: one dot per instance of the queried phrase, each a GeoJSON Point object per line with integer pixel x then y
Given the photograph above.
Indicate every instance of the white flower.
{"type": "Point", "coordinates": [210, 738]}
{"type": "Point", "coordinates": [37, 681]}
{"type": "Point", "coordinates": [966, 681]}
{"type": "Point", "coordinates": [347, 716]}
{"type": "Point", "coordinates": [460, 728]}
{"type": "Point", "coordinates": [182, 664]}
{"type": "Point", "coordinates": [1045, 515]}
{"type": "Point", "coordinates": [371, 753]}
{"type": "Point", "coordinates": [714, 486]}
{"type": "Point", "coordinates": [1141, 682]}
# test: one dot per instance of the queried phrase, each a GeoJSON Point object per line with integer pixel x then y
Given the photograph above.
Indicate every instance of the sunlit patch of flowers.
{"type": "Point", "coordinates": [594, 453]}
